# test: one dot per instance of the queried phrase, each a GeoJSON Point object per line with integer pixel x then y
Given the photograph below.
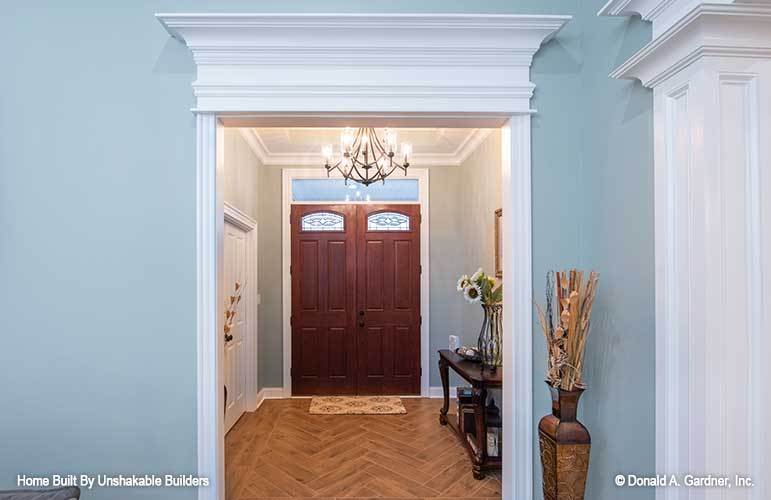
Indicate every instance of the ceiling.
{"type": "Point", "coordinates": [302, 146]}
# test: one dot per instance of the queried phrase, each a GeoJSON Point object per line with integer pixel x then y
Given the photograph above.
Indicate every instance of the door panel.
{"type": "Point", "coordinates": [355, 299]}
{"type": "Point", "coordinates": [388, 276]}
{"type": "Point", "coordinates": [234, 362]}
{"type": "Point", "coordinates": [323, 299]}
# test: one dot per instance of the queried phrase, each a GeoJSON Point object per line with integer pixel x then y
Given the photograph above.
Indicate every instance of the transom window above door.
{"type": "Point", "coordinates": [336, 190]}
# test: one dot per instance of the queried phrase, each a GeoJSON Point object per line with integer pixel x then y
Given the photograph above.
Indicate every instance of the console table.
{"type": "Point", "coordinates": [480, 380]}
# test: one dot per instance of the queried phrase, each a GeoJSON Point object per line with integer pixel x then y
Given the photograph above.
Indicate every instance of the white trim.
{"type": "Point", "coordinates": [242, 221]}
{"type": "Point", "coordinates": [708, 30]}
{"type": "Point", "coordinates": [436, 392]}
{"type": "Point", "coordinates": [422, 176]}
{"type": "Point", "coordinates": [268, 393]}
{"type": "Point", "coordinates": [210, 310]}
{"type": "Point", "coordinates": [238, 218]}
{"type": "Point", "coordinates": [517, 404]}
{"type": "Point", "coordinates": [442, 69]}
{"type": "Point", "coordinates": [436, 63]}
{"type": "Point", "coordinates": [475, 137]}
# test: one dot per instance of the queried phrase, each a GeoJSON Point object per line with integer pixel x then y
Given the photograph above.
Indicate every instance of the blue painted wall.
{"type": "Point", "coordinates": [97, 275]}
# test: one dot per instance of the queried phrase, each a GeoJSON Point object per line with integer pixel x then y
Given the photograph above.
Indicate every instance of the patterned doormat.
{"type": "Point", "coordinates": [356, 405]}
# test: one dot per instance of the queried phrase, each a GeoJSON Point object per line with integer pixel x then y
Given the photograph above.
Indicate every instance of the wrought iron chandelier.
{"type": "Point", "coordinates": [364, 158]}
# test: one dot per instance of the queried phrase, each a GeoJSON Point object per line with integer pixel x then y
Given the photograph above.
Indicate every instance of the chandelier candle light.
{"type": "Point", "coordinates": [364, 158]}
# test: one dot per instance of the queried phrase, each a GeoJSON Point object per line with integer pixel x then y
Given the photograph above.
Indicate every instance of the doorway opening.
{"type": "Point", "coordinates": [360, 270]}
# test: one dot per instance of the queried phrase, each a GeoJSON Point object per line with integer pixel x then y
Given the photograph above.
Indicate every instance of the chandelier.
{"type": "Point", "coordinates": [365, 158]}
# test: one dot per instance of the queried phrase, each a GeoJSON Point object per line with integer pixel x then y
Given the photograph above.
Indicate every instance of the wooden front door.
{"type": "Point", "coordinates": [355, 299]}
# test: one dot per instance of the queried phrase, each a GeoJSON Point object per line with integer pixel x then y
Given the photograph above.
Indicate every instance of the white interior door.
{"type": "Point", "coordinates": [235, 363]}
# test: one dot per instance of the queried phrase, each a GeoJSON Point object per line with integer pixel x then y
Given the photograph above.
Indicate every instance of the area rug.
{"type": "Point", "coordinates": [356, 405]}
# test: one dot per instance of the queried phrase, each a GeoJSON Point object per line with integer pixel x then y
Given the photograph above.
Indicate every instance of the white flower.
{"type": "Point", "coordinates": [462, 282]}
{"type": "Point", "coordinates": [472, 293]}
{"type": "Point", "coordinates": [477, 275]}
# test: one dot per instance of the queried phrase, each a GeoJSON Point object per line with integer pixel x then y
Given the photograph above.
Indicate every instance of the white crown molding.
{"type": "Point", "coordinates": [255, 143]}
{"type": "Point", "coordinates": [272, 62]}
{"type": "Point", "coordinates": [470, 144]}
{"type": "Point", "coordinates": [238, 218]}
{"type": "Point", "coordinates": [662, 13]}
{"type": "Point", "coordinates": [708, 30]}
{"type": "Point", "coordinates": [467, 146]}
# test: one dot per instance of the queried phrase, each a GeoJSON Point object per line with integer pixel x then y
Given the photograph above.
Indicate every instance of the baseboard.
{"type": "Point", "coordinates": [436, 392]}
{"type": "Point", "coordinates": [269, 393]}
{"type": "Point", "coordinates": [278, 393]}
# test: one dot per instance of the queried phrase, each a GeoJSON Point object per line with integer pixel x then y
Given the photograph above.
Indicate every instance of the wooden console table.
{"type": "Point", "coordinates": [481, 381]}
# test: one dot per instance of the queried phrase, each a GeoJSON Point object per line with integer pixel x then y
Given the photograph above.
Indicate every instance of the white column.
{"type": "Point", "coordinates": [517, 304]}
{"type": "Point", "coordinates": [209, 265]}
{"type": "Point", "coordinates": [710, 69]}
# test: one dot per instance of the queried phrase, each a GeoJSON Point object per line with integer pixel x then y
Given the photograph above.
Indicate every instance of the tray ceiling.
{"type": "Point", "coordinates": [302, 146]}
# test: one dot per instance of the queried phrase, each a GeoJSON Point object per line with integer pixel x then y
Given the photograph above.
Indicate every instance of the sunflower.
{"type": "Point", "coordinates": [472, 293]}
{"type": "Point", "coordinates": [462, 282]}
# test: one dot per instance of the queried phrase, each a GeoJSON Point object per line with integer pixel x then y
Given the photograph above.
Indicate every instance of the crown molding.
{"type": "Point", "coordinates": [661, 13]}
{"type": "Point", "coordinates": [280, 62]}
{"type": "Point", "coordinates": [739, 30]}
{"type": "Point", "coordinates": [470, 143]}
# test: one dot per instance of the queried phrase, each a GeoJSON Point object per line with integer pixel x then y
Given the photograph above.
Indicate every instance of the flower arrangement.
{"type": "Point", "coordinates": [566, 334]}
{"type": "Point", "coordinates": [230, 310]}
{"type": "Point", "coordinates": [480, 288]}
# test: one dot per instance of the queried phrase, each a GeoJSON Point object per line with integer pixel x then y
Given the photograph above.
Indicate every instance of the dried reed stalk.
{"type": "Point", "coordinates": [230, 310]}
{"type": "Point", "coordinates": [566, 336]}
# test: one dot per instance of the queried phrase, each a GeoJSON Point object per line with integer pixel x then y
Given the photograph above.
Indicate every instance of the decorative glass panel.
{"type": "Point", "coordinates": [322, 221]}
{"type": "Point", "coordinates": [388, 221]}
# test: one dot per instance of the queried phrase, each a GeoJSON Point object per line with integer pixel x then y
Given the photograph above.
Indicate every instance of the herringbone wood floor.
{"type": "Point", "coordinates": [281, 451]}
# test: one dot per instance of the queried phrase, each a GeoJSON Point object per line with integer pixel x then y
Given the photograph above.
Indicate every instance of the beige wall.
{"type": "Point", "coordinates": [241, 173]}
{"type": "Point", "coordinates": [480, 196]}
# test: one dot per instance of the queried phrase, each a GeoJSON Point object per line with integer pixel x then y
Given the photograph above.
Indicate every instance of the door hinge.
{"type": "Point", "coordinates": [421, 371]}
{"type": "Point", "coordinates": [291, 372]}
{"type": "Point", "coordinates": [421, 320]}
{"type": "Point", "coordinates": [291, 320]}
{"type": "Point", "coordinates": [421, 268]}
{"type": "Point", "coordinates": [290, 270]}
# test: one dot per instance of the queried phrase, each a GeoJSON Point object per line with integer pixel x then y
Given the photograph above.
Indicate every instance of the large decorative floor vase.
{"type": "Point", "coordinates": [489, 342]}
{"type": "Point", "coordinates": [565, 444]}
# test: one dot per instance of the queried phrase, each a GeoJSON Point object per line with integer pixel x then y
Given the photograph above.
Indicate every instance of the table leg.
{"type": "Point", "coordinates": [479, 395]}
{"type": "Point", "coordinates": [444, 373]}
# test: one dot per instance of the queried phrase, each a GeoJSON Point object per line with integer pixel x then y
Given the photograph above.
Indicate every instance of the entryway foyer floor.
{"type": "Point", "coordinates": [281, 451]}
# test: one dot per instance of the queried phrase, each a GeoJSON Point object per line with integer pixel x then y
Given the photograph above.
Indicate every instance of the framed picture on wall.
{"type": "Point", "coordinates": [498, 245]}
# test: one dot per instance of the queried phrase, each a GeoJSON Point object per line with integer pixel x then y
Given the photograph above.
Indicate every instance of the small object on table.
{"type": "Point", "coordinates": [454, 342]}
{"type": "Point", "coordinates": [481, 380]}
{"type": "Point", "coordinates": [466, 410]}
{"type": "Point", "coordinates": [494, 424]}
{"type": "Point", "coordinates": [469, 353]}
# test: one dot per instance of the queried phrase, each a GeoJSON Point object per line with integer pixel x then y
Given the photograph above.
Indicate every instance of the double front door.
{"type": "Point", "coordinates": [355, 299]}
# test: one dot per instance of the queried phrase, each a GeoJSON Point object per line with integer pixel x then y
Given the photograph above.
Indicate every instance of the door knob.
{"type": "Point", "coordinates": [361, 318]}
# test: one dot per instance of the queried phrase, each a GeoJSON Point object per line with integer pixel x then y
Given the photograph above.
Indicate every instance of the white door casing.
{"type": "Point", "coordinates": [235, 356]}
{"type": "Point", "coordinates": [709, 66]}
{"type": "Point", "coordinates": [431, 70]}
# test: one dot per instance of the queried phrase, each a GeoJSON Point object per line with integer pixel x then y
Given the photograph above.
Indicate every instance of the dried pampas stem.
{"type": "Point", "coordinates": [566, 336]}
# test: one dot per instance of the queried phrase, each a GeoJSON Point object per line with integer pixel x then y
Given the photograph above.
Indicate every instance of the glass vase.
{"type": "Point", "coordinates": [489, 343]}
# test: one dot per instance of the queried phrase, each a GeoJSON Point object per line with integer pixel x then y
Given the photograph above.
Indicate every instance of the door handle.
{"type": "Point", "coordinates": [361, 319]}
